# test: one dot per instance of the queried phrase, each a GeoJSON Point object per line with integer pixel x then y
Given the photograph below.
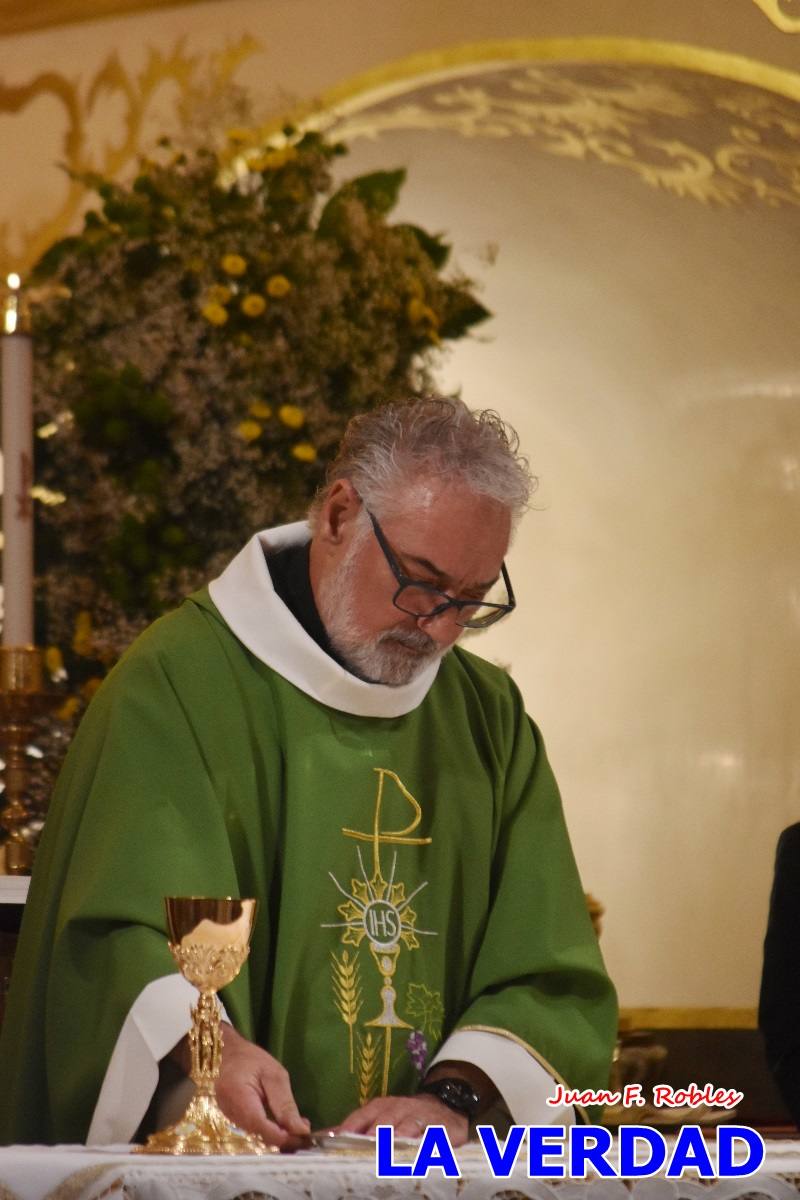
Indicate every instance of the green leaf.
{"type": "Point", "coordinates": [173, 535]}
{"type": "Point", "coordinates": [311, 139]}
{"type": "Point", "coordinates": [462, 315]}
{"type": "Point", "coordinates": [437, 250]}
{"type": "Point", "coordinates": [329, 223]}
{"type": "Point", "coordinates": [116, 431]}
{"type": "Point", "coordinates": [378, 192]}
{"type": "Point", "coordinates": [53, 257]}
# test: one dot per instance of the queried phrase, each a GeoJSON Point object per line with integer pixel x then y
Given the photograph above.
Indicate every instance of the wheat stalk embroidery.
{"type": "Point", "coordinates": [367, 1068]}
{"type": "Point", "coordinates": [347, 992]}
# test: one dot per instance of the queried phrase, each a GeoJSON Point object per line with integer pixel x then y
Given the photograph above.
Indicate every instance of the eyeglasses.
{"type": "Point", "coordinates": [420, 599]}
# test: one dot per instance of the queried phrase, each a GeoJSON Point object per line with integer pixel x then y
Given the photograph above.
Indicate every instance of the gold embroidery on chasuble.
{"type": "Point", "coordinates": [377, 913]}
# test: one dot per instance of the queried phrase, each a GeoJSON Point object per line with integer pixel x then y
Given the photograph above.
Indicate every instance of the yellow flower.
{"type": "Point", "coordinates": [292, 416]}
{"type": "Point", "coordinates": [253, 305]}
{"type": "Point", "coordinates": [233, 264]}
{"type": "Point", "coordinates": [82, 638]}
{"type": "Point", "coordinates": [415, 309]}
{"type": "Point", "coordinates": [53, 660]}
{"type": "Point", "coordinates": [258, 162]}
{"type": "Point", "coordinates": [214, 313]}
{"type": "Point", "coordinates": [168, 212]}
{"type": "Point", "coordinates": [304, 452]}
{"type": "Point", "coordinates": [261, 410]}
{"type": "Point", "coordinates": [248, 430]}
{"type": "Point", "coordinates": [239, 134]}
{"type": "Point", "coordinates": [218, 293]}
{"type": "Point", "coordinates": [90, 686]}
{"type": "Point", "coordinates": [420, 313]}
{"type": "Point", "coordinates": [271, 160]}
{"type": "Point", "coordinates": [277, 286]}
{"type": "Point", "coordinates": [68, 709]}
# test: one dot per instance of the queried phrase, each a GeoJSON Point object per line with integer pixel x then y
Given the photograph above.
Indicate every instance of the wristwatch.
{"type": "Point", "coordinates": [455, 1093]}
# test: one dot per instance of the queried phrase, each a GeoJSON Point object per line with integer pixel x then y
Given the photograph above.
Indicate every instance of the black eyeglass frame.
{"type": "Point", "coordinates": [404, 581]}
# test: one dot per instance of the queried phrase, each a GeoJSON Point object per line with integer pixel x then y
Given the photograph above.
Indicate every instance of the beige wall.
{"type": "Point", "coordinates": [644, 343]}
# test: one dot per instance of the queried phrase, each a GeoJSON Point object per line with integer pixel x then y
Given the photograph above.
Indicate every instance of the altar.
{"type": "Point", "coordinates": [114, 1173]}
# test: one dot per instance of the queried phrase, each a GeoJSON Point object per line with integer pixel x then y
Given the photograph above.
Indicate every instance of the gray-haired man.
{"type": "Point", "coordinates": [307, 732]}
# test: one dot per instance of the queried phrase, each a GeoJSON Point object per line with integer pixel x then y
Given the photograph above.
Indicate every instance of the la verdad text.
{"type": "Point", "coordinates": [556, 1152]}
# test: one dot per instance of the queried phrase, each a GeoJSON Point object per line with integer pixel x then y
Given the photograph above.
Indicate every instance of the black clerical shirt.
{"type": "Point", "coordinates": [291, 578]}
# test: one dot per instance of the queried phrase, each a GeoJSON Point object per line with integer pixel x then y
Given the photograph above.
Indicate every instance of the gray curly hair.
{"type": "Point", "coordinates": [436, 436]}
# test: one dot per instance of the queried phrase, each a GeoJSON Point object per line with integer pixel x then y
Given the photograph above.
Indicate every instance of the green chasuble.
{"type": "Point", "coordinates": [413, 873]}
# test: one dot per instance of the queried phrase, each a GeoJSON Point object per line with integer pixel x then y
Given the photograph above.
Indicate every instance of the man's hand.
{"type": "Point", "coordinates": [410, 1116]}
{"type": "Point", "coordinates": [254, 1091]}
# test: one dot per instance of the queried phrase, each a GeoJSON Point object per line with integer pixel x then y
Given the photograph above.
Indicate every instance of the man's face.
{"type": "Point", "coordinates": [443, 535]}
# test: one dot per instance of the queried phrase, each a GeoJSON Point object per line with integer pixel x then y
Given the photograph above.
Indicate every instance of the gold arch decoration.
{"type": "Point", "coordinates": [192, 75]}
{"type": "Point", "coordinates": [441, 64]}
{"type": "Point", "coordinates": [783, 13]}
{"type": "Point", "coordinates": [601, 120]}
{"type": "Point", "coordinates": [16, 18]}
{"type": "Point", "coordinates": [712, 127]}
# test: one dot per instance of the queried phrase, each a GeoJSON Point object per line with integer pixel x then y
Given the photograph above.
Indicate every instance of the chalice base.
{"type": "Point", "coordinates": [204, 1129]}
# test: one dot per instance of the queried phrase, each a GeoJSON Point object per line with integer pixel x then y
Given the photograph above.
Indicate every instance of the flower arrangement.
{"type": "Point", "coordinates": [200, 347]}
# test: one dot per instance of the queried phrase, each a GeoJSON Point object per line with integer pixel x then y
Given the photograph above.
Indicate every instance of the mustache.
{"type": "Point", "coordinates": [414, 639]}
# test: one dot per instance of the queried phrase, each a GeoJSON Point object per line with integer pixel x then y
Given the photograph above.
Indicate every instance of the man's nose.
{"type": "Point", "coordinates": [441, 626]}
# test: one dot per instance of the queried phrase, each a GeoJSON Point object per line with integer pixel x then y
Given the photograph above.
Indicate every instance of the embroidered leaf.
{"type": "Point", "coordinates": [426, 1006]}
{"type": "Point", "coordinates": [367, 1068]}
{"type": "Point", "coordinates": [347, 992]}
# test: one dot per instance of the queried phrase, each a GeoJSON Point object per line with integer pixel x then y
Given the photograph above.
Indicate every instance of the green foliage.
{"type": "Point", "coordinates": [433, 244]}
{"type": "Point", "coordinates": [205, 340]}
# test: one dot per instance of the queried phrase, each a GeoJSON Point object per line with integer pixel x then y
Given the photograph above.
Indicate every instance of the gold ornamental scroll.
{"type": "Point", "coordinates": [785, 14]}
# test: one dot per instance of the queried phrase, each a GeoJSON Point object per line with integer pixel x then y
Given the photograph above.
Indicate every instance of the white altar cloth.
{"type": "Point", "coordinates": [113, 1173]}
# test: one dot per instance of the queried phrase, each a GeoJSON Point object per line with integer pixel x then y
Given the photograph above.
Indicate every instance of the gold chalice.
{"type": "Point", "coordinates": [210, 940]}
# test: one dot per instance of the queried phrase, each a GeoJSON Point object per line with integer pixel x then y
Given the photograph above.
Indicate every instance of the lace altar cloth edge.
{"type": "Point", "coordinates": [113, 1173]}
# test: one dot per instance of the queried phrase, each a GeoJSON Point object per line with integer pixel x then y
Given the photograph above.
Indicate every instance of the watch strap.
{"type": "Point", "coordinates": [455, 1093]}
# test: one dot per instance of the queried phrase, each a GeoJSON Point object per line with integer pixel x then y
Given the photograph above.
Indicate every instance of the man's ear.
{"type": "Point", "coordinates": [342, 506]}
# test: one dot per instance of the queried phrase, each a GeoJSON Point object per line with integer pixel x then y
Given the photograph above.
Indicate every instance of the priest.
{"type": "Point", "coordinates": [306, 731]}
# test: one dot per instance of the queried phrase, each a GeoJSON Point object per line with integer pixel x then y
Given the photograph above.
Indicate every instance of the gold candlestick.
{"type": "Point", "coordinates": [210, 942]}
{"type": "Point", "coordinates": [22, 699]}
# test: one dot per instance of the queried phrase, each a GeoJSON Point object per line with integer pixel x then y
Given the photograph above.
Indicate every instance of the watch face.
{"type": "Point", "coordinates": [456, 1094]}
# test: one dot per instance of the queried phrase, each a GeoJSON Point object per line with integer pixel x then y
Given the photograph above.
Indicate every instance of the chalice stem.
{"type": "Point", "coordinates": [205, 1042]}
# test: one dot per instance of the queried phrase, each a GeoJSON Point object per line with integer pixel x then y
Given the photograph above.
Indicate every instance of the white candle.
{"type": "Point", "coordinates": [17, 445]}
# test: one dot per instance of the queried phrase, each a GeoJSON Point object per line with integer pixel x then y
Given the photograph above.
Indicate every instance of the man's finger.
{"type": "Point", "coordinates": [246, 1109]}
{"type": "Point", "coordinates": [356, 1122]}
{"type": "Point", "coordinates": [366, 1119]}
{"type": "Point", "coordinates": [281, 1105]}
{"type": "Point", "coordinates": [410, 1127]}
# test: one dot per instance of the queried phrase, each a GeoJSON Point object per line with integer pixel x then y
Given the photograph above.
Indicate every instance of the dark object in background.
{"type": "Point", "coordinates": [10, 916]}
{"type": "Point", "coordinates": [680, 1054]}
{"type": "Point", "coordinates": [779, 1007]}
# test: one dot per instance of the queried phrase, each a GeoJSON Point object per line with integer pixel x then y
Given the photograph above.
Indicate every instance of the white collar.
{"type": "Point", "coordinates": [244, 595]}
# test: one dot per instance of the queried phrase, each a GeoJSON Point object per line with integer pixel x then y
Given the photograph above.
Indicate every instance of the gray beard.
{"type": "Point", "coordinates": [394, 657]}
